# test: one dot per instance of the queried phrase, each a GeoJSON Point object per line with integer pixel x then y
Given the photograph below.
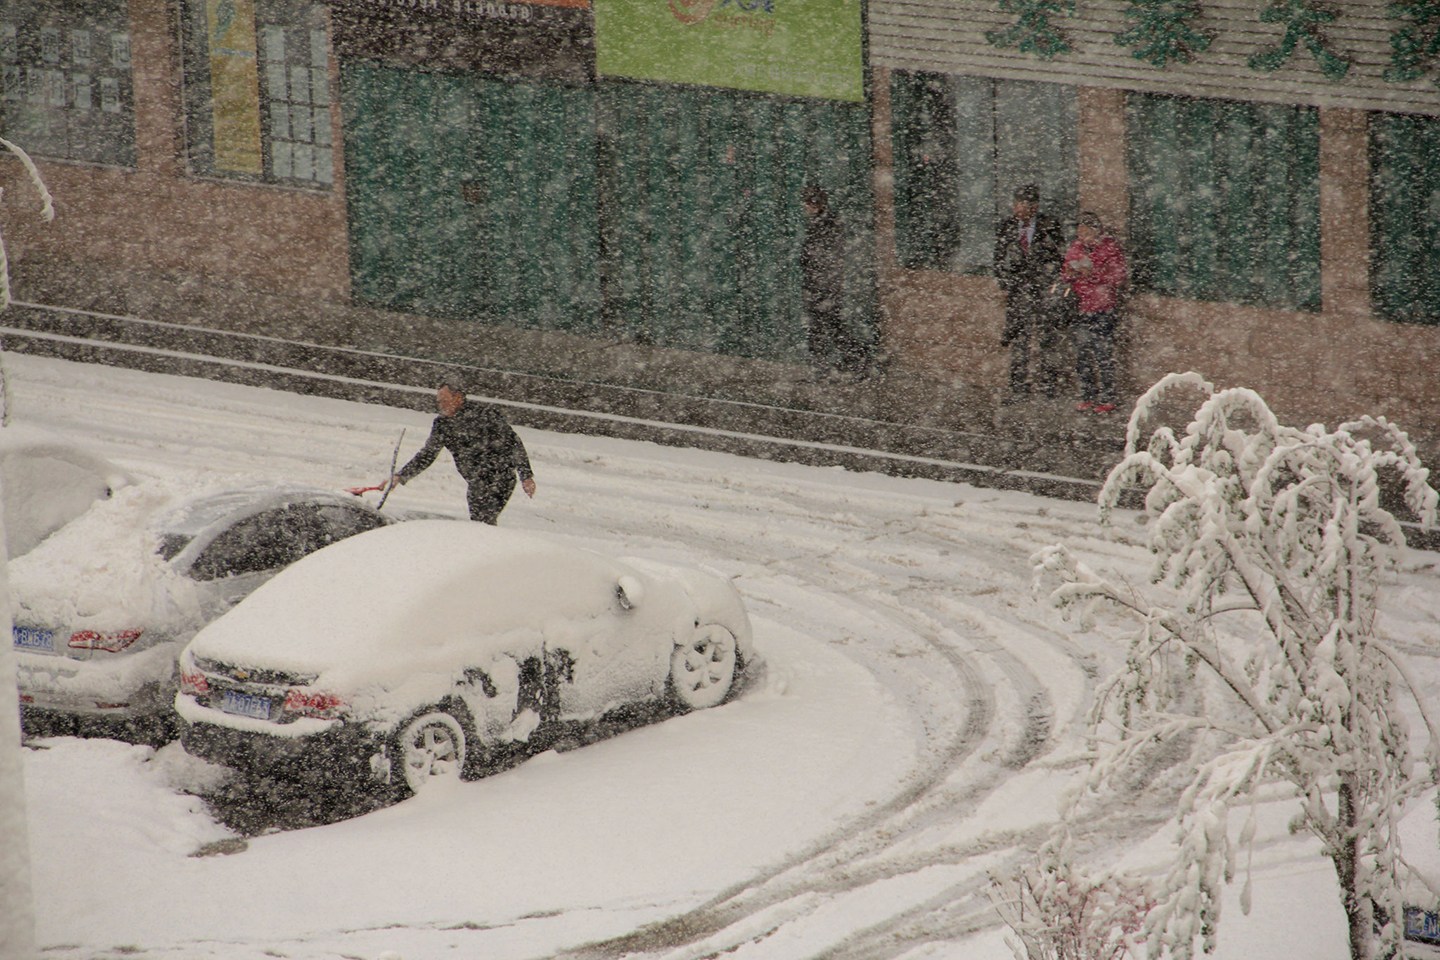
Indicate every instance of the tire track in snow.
{"type": "Point", "coordinates": [863, 852]}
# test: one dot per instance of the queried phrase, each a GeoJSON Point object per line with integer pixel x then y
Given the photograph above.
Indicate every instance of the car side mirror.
{"type": "Point", "coordinates": [629, 592]}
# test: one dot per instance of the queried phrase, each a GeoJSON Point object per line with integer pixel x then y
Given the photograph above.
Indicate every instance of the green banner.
{"type": "Point", "coordinates": [804, 48]}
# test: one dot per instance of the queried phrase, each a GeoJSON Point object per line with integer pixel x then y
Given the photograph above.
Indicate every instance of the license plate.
{"type": "Point", "coordinates": [246, 705]}
{"type": "Point", "coordinates": [35, 638]}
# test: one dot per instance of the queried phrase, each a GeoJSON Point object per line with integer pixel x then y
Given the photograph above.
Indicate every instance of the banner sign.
{"type": "Point", "coordinates": [544, 39]}
{"type": "Point", "coordinates": [805, 48]}
{"type": "Point", "coordinates": [234, 85]}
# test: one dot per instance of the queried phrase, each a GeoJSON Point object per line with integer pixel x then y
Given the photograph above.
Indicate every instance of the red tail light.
{"type": "Point", "coordinates": [112, 642]}
{"type": "Point", "coordinates": [308, 704]}
{"type": "Point", "coordinates": [194, 684]}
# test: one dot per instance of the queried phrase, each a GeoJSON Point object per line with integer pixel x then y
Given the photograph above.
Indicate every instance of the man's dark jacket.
{"type": "Point", "coordinates": [486, 449]}
{"type": "Point", "coordinates": [1026, 274]}
{"type": "Point", "coordinates": [822, 264]}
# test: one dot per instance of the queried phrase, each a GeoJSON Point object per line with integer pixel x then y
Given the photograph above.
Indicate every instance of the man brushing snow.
{"type": "Point", "coordinates": [486, 449]}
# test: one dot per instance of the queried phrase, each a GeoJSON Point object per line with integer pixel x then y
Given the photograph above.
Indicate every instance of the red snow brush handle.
{"type": "Point", "coordinates": [359, 490]}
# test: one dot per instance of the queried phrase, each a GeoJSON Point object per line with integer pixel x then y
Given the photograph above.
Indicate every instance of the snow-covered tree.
{"type": "Point", "coordinates": [1270, 545]}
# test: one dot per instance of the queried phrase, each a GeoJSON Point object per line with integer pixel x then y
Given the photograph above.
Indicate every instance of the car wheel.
{"type": "Point", "coordinates": [429, 748]}
{"type": "Point", "coordinates": [702, 670]}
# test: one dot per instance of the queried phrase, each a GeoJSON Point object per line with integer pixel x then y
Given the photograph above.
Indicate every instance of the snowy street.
{"type": "Point", "coordinates": [917, 715]}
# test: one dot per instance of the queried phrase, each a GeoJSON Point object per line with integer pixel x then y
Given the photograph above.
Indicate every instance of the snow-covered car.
{"type": "Point", "coordinates": [47, 482]}
{"type": "Point", "coordinates": [425, 650]}
{"type": "Point", "coordinates": [103, 606]}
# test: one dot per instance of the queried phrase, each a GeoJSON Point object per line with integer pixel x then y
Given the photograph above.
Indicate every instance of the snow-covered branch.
{"type": "Point", "coordinates": [1273, 540]}
{"type": "Point", "coordinates": [47, 213]}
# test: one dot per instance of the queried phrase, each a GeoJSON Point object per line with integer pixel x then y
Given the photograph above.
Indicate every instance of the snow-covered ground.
{"type": "Point", "coordinates": [918, 714]}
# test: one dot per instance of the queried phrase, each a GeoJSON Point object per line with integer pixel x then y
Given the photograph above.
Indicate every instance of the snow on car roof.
{"type": "Point", "coordinates": [411, 583]}
{"type": "Point", "coordinates": [199, 512]}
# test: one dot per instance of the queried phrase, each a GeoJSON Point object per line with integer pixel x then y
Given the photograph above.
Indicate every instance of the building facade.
{"type": "Point", "coordinates": [1272, 169]}
{"type": "Point", "coordinates": [483, 163]}
{"type": "Point", "coordinates": [629, 173]}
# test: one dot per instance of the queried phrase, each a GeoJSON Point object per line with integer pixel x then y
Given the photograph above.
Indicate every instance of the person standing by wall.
{"type": "Point", "coordinates": [486, 449]}
{"type": "Point", "coordinates": [1027, 264]}
{"type": "Point", "coordinates": [1095, 269]}
{"type": "Point", "coordinates": [822, 281]}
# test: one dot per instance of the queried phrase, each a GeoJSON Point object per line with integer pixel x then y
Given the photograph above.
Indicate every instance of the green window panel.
{"type": "Point", "coordinates": [472, 198]}
{"type": "Point", "coordinates": [1405, 217]}
{"type": "Point", "coordinates": [406, 159]}
{"type": "Point", "coordinates": [703, 222]}
{"type": "Point", "coordinates": [1225, 200]}
{"type": "Point", "coordinates": [532, 193]}
{"type": "Point", "coordinates": [667, 216]}
{"type": "Point", "coordinates": [925, 148]}
{"type": "Point", "coordinates": [961, 146]}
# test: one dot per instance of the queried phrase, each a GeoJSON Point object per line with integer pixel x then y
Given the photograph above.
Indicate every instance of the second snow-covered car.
{"type": "Point", "coordinates": [103, 605]}
{"type": "Point", "coordinates": [410, 653]}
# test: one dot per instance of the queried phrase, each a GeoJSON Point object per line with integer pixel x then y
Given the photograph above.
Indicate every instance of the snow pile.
{"type": "Point", "coordinates": [47, 483]}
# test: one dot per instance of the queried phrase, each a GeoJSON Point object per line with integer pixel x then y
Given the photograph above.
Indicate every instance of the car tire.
{"type": "Point", "coordinates": [429, 748]}
{"type": "Point", "coordinates": [703, 668]}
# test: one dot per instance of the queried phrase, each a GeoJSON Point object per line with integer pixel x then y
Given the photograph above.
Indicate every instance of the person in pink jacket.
{"type": "Point", "coordinates": [1094, 267]}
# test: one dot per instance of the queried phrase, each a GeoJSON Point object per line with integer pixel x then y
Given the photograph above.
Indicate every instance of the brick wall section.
{"type": "Point", "coordinates": [1101, 134]}
{"type": "Point", "coordinates": [157, 219]}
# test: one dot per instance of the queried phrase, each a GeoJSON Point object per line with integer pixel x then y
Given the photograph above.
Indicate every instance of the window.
{"type": "Point", "coordinates": [264, 542]}
{"type": "Point", "coordinates": [65, 80]}
{"type": "Point", "coordinates": [257, 91]}
{"type": "Point", "coordinates": [1405, 217]}
{"type": "Point", "coordinates": [1225, 200]}
{"type": "Point", "coordinates": [334, 522]}
{"type": "Point", "coordinates": [961, 147]}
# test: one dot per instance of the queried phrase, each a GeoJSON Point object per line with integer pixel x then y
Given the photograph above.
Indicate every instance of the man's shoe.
{"type": "Point", "coordinates": [1103, 408]}
{"type": "Point", "coordinates": [1084, 405]}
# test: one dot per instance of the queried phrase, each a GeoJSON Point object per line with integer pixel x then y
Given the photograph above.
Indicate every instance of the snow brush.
{"type": "Point", "coordinates": [387, 485]}
{"type": "Point", "coordinates": [390, 480]}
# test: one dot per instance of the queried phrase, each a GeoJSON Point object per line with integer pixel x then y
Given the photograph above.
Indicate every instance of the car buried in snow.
{"type": "Point", "coordinates": [103, 605]}
{"type": "Point", "coordinates": [426, 650]}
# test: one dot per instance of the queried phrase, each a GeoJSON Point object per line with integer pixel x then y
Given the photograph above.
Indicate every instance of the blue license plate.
{"type": "Point", "coordinates": [1422, 926]}
{"type": "Point", "coordinates": [246, 705]}
{"type": "Point", "coordinates": [35, 638]}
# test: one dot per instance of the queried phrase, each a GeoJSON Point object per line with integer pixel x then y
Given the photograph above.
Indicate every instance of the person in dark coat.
{"type": "Point", "coordinates": [486, 449]}
{"type": "Point", "coordinates": [822, 283]}
{"type": "Point", "coordinates": [1028, 248]}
